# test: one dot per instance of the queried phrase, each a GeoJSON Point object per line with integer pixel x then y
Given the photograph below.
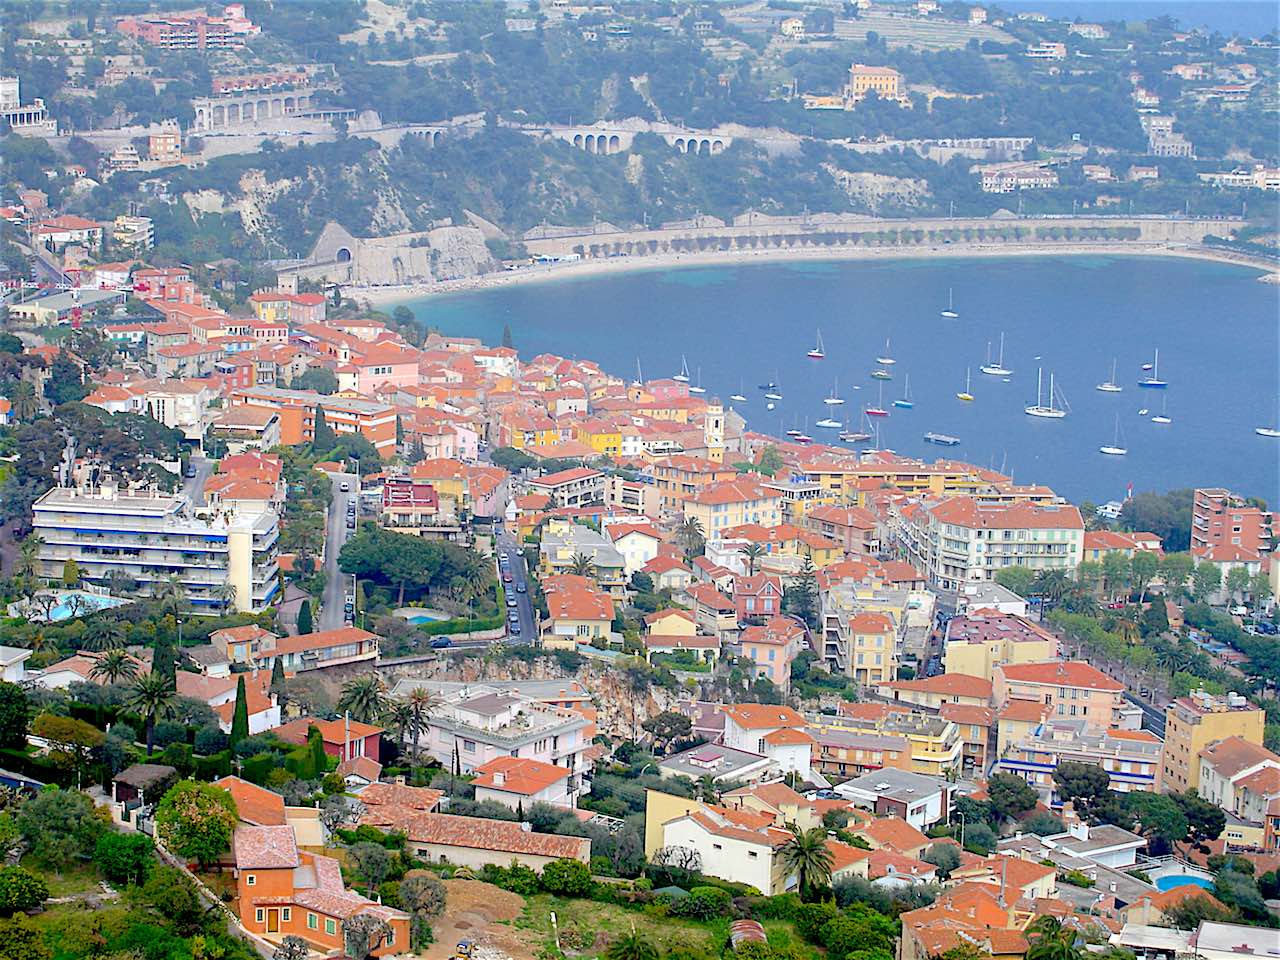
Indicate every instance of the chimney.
{"type": "Point", "coordinates": [1079, 830]}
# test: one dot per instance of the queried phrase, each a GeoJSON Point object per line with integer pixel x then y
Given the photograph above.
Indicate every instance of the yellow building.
{"type": "Point", "coordinates": [871, 641]}
{"type": "Point", "coordinates": [937, 748]}
{"type": "Point", "coordinates": [659, 809]}
{"type": "Point", "coordinates": [1192, 723]}
{"type": "Point", "coordinates": [600, 435]}
{"type": "Point", "coordinates": [732, 504]}
{"type": "Point", "coordinates": [885, 82]}
{"type": "Point", "coordinates": [978, 642]}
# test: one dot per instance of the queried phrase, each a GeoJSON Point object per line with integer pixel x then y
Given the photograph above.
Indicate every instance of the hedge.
{"type": "Point", "coordinates": [462, 625]}
{"type": "Point", "coordinates": [38, 768]}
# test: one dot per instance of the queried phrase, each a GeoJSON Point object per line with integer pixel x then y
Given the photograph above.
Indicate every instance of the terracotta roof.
{"type": "Point", "coordinates": [565, 476]}
{"type": "Point", "coordinates": [968, 512]}
{"type": "Point", "coordinates": [1228, 757]}
{"type": "Point", "coordinates": [787, 736]}
{"type": "Point", "coordinates": [732, 491]}
{"type": "Point", "coordinates": [776, 795]}
{"type": "Point", "coordinates": [844, 856]}
{"type": "Point", "coordinates": [323, 638]}
{"type": "Point", "coordinates": [265, 848]}
{"type": "Point", "coordinates": [521, 775]}
{"type": "Point", "coordinates": [502, 836]}
{"type": "Point", "coordinates": [895, 834]}
{"type": "Point", "coordinates": [366, 768]}
{"type": "Point", "coordinates": [1072, 673]}
{"type": "Point", "coordinates": [870, 623]}
{"type": "Point", "coordinates": [1025, 711]}
{"type": "Point", "coordinates": [883, 862]}
{"type": "Point", "coordinates": [777, 631]}
{"type": "Point", "coordinates": [255, 805]}
{"type": "Point", "coordinates": [968, 713]}
{"type": "Point", "coordinates": [707, 595]}
{"type": "Point", "coordinates": [759, 716]}
{"type": "Point", "coordinates": [668, 612]}
{"type": "Point", "coordinates": [946, 684]}
{"type": "Point", "coordinates": [332, 731]}
{"type": "Point", "coordinates": [421, 799]}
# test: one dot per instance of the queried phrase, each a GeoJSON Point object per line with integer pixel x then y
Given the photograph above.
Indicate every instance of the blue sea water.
{"type": "Point", "coordinates": [1216, 327]}
{"type": "Point", "coordinates": [1251, 18]}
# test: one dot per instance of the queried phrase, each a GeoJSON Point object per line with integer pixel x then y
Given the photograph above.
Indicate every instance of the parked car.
{"type": "Point", "coordinates": [511, 601]}
{"type": "Point", "coordinates": [439, 643]}
{"type": "Point", "coordinates": [191, 470]}
{"type": "Point", "coordinates": [521, 588]}
{"type": "Point", "coordinates": [506, 578]}
{"type": "Point", "coordinates": [344, 486]}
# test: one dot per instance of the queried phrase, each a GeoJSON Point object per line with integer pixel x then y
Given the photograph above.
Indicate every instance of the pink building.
{"type": "Point", "coordinates": [757, 596]}
{"type": "Point", "coordinates": [1071, 689]}
{"type": "Point", "coordinates": [772, 647]}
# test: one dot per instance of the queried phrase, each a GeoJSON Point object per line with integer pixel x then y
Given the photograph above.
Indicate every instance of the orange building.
{"type": "Point", "coordinates": [375, 421]}
{"type": "Point", "coordinates": [281, 891]}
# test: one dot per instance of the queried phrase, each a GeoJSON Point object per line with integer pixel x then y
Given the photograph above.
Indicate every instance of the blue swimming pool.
{"type": "Point", "coordinates": [76, 603]}
{"type": "Point", "coordinates": [425, 618]}
{"type": "Point", "coordinates": [1183, 880]}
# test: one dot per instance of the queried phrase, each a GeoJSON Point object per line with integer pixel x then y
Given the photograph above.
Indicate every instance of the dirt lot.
{"type": "Point", "coordinates": [473, 911]}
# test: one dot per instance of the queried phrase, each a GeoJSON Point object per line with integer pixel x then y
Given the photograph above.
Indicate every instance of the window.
{"type": "Point", "coordinates": [250, 880]}
{"type": "Point", "coordinates": [330, 926]}
{"type": "Point", "coordinates": [286, 914]}
{"type": "Point", "coordinates": [391, 936]}
{"type": "Point", "coordinates": [469, 746]}
{"type": "Point", "coordinates": [313, 922]}
{"type": "Point", "coordinates": [753, 855]}
{"type": "Point", "coordinates": [716, 846]}
{"type": "Point", "coordinates": [259, 915]}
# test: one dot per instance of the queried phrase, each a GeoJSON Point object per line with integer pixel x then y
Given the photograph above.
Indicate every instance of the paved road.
{"type": "Point", "coordinates": [336, 533]}
{"type": "Point", "coordinates": [193, 487]}
{"type": "Point", "coordinates": [505, 543]}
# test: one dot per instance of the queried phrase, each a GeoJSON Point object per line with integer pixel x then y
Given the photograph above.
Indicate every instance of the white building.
{"type": "Point", "coordinates": [777, 733]}
{"type": "Point", "coordinates": [520, 782]}
{"type": "Point", "coordinates": [151, 536]}
{"type": "Point", "coordinates": [27, 119]}
{"type": "Point", "coordinates": [738, 845]}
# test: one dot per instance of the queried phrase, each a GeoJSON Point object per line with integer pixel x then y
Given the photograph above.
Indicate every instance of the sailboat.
{"type": "Point", "coordinates": [834, 400]}
{"type": "Point", "coordinates": [819, 351]}
{"type": "Point", "coordinates": [878, 410]}
{"type": "Point", "coordinates": [804, 436]}
{"type": "Point", "coordinates": [683, 375]}
{"type": "Point", "coordinates": [771, 391]}
{"type": "Point", "coordinates": [1039, 409]}
{"type": "Point", "coordinates": [886, 360]}
{"type": "Point", "coordinates": [905, 401]}
{"type": "Point", "coordinates": [1162, 416]}
{"type": "Point", "coordinates": [795, 431]}
{"type": "Point", "coordinates": [639, 381]}
{"type": "Point", "coordinates": [1110, 386]}
{"type": "Point", "coordinates": [1154, 382]}
{"type": "Point", "coordinates": [950, 312]}
{"type": "Point", "coordinates": [829, 423]}
{"type": "Point", "coordinates": [881, 374]}
{"type": "Point", "coordinates": [965, 394]}
{"type": "Point", "coordinates": [861, 435]}
{"type": "Point", "coordinates": [738, 397]}
{"type": "Point", "coordinates": [1113, 448]}
{"type": "Point", "coordinates": [1272, 432]}
{"type": "Point", "coordinates": [699, 388]}
{"type": "Point", "coordinates": [998, 368]}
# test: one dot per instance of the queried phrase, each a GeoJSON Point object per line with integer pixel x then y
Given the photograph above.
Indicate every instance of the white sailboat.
{"type": "Point", "coordinates": [1163, 415]}
{"type": "Point", "coordinates": [878, 410]}
{"type": "Point", "coordinates": [683, 375]}
{"type": "Point", "coordinates": [739, 397]}
{"type": "Point", "coordinates": [950, 312]}
{"type": "Point", "coordinates": [834, 400]}
{"type": "Point", "coordinates": [1040, 409]}
{"type": "Point", "coordinates": [905, 402]}
{"type": "Point", "coordinates": [1154, 382]}
{"type": "Point", "coordinates": [1110, 386]}
{"type": "Point", "coordinates": [771, 389]}
{"type": "Point", "coordinates": [829, 423]}
{"type": "Point", "coordinates": [698, 388]}
{"type": "Point", "coordinates": [886, 359]}
{"type": "Point", "coordinates": [639, 381]}
{"type": "Point", "coordinates": [1114, 449]}
{"type": "Point", "coordinates": [819, 351]}
{"type": "Point", "coordinates": [965, 395]}
{"type": "Point", "coordinates": [1272, 432]}
{"type": "Point", "coordinates": [804, 436]}
{"type": "Point", "coordinates": [997, 369]}
{"type": "Point", "coordinates": [861, 435]}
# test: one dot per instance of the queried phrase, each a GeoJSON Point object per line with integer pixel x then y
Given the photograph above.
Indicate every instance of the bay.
{"type": "Point", "coordinates": [1217, 329]}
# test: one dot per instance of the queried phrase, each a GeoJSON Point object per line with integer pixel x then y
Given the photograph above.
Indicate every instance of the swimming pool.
{"type": "Point", "coordinates": [1182, 880]}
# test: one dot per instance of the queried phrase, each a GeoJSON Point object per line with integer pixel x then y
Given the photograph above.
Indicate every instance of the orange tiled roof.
{"type": "Point", "coordinates": [759, 716]}
{"type": "Point", "coordinates": [254, 804]}
{"type": "Point", "coordinates": [895, 834]}
{"type": "Point", "coordinates": [521, 775]}
{"type": "Point", "coordinates": [1072, 673]}
{"type": "Point", "coordinates": [946, 684]}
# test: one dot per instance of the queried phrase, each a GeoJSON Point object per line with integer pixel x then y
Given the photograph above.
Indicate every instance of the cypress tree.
{"type": "Point", "coordinates": [305, 624]}
{"type": "Point", "coordinates": [506, 336]}
{"type": "Point", "coordinates": [277, 682]}
{"type": "Point", "coordinates": [322, 435]}
{"type": "Point", "coordinates": [240, 719]}
{"type": "Point", "coordinates": [318, 757]}
{"type": "Point", "coordinates": [164, 661]}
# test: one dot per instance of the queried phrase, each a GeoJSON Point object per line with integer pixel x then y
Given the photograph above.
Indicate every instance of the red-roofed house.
{"type": "Point", "coordinates": [1072, 689]}
{"type": "Point", "coordinates": [578, 612]}
{"type": "Point", "coordinates": [772, 731]}
{"type": "Point", "coordinates": [933, 692]}
{"type": "Point", "coordinates": [1240, 777]}
{"type": "Point", "coordinates": [575, 487]}
{"type": "Point", "coordinates": [772, 646]}
{"type": "Point", "coordinates": [668, 573]}
{"type": "Point", "coordinates": [732, 504]}
{"type": "Point", "coordinates": [519, 782]}
{"type": "Point", "coordinates": [852, 527]}
{"type": "Point", "coordinates": [757, 596]}
{"type": "Point", "coordinates": [713, 611]}
{"type": "Point", "coordinates": [343, 739]}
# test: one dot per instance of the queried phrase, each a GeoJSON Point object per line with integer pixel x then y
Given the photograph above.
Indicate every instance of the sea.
{"type": "Point", "coordinates": [1217, 330]}
{"type": "Point", "coordinates": [1248, 18]}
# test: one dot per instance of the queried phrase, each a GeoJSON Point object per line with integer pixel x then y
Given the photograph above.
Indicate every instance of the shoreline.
{"type": "Point", "coordinates": [391, 296]}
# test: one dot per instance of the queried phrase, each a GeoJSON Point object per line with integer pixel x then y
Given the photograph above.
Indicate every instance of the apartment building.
{"type": "Point", "coordinates": [854, 528]}
{"type": "Point", "coordinates": [468, 730]}
{"type": "Point", "coordinates": [963, 539]}
{"type": "Point", "coordinates": [1241, 778]}
{"type": "Point", "coordinates": [575, 487]}
{"type": "Point", "coordinates": [979, 641]}
{"type": "Point", "coordinates": [1130, 757]}
{"type": "Point", "coordinates": [261, 649]}
{"type": "Point", "coordinates": [884, 82]}
{"type": "Point", "coordinates": [733, 503]}
{"type": "Point", "coordinates": [1071, 688]}
{"type": "Point", "coordinates": [864, 622]}
{"type": "Point", "coordinates": [1221, 519]}
{"type": "Point", "coordinates": [564, 541]}
{"type": "Point", "coordinates": [153, 536]}
{"type": "Point", "coordinates": [936, 747]}
{"type": "Point", "coordinates": [412, 506]}
{"type": "Point", "coordinates": [375, 421]}
{"type": "Point", "coordinates": [1194, 722]}
{"type": "Point", "coordinates": [851, 753]}
{"type": "Point", "coordinates": [772, 647]}
{"type": "Point", "coordinates": [932, 693]}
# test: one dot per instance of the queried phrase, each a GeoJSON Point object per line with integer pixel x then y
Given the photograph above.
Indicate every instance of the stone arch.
{"type": "Point", "coordinates": [233, 113]}
{"type": "Point", "coordinates": [615, 143]}
{"type": "Point", "coordinates": [343, 255]}
{"type": "Point", "coordinates": [578, 142]}
{"type": "Point", "coordinates": [247, 112]}
{"type": "Point", "coordinates": [680, 144]}
{"type": "Point", "coordinates": [717, 146]}
{"type": "Point", "coordinates": [705, 147]}
{"type": "Point", "coordinates": [264, 109]}
{"type": "Point", "coordinates": [436, 137]}
{"type": "Point", "coordinates": [219, 116]}
{"type": "Point", "coordinates": [290, 104]}
{"type": "Point", "coordinates": [277, 107]}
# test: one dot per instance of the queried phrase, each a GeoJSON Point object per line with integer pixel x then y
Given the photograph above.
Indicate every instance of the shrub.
{"type": "Point", "coordinates": [812, 917]}
{"type": "Point", "coordinates": [703, 903]}
{"type": "Point", "coordinates": [168, 732]}
{"type": "Point", "coordinates": [517, 878]}
{"type": "Point", "coordinates": [566, 878]}
{"type": "Point", "coordinates": [123, 857]}
{"type": "Point", "coordinates": [1077, 879]}
{"type": "Point", "coordinates": [20, 890]}
{"type": "Point", "coordinates": [210, 740]}
{"type": "Point", "coordinates": [785, 906]}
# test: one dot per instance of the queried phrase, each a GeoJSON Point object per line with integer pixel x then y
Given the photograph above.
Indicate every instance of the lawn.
{"type": "Point", "coordinates": [594, 924]}
{"type": "Point", "coordinates": [78, 877]}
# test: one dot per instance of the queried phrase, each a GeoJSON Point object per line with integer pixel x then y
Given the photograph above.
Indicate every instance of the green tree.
{"type": "Point", "coordinates": [944, 856]}
{"type": "Point", "coordinates": [70, 573]}
{"type": "Point", "coordinates": [1021, 580]}
{"type": "Point", "coordinates": [66, 381]}
{"type": "Point", "coordinates": [801, 598]}
{"type": "Point", "coordinates": [1011, 796]}
{"type": "Point", "coordinates": [506, 336]}
{"type": "Point", "coordinates": [566, 878]}
{"type": "Point", "coordinates": [124, 857]}
{"type": "Point", "coordinates": [20, 939]}
{"type": "Point", "coordinates": [364, 697]}
{"type": "Point", "coordinates": [752, 553]}
{"type": "Point", "coordinates": [20, 890]}
{"type": "Point", "coordinates": [71, 741]}
{"type": "Point", "coordinates": [1087, 786]}
{"type": "Point", "coordinates": [691, 537]}
{"type": "Point", "coordinates": [152, 695]}
{"type": "Point", "coordinates": [1159, 818]}
{"type": "Point", "coordinates": [667, 727]}
{"type": "Point", "coordinates": [1050, 940]}
{"type": "Point", "coordinates": [59, 826]}
{"type": "Point", "coordinates": [292, 948]}
{"type": "Point", "coordinates": [196, 820]}
{"type": "Point", "coordinates": [1237, 582]}
{"type": "Point", "coordinates": [323, 439]}
{"type": "Point", "coordinates": [806, 855]}
{"type": "Point", "coordinates": [240, 716]}
{"type": "Point", "coordinates": [320, 379]}
{"type": "Point", "coordinates": [1154, 620]}
{"type": "Point", "coordinates": [1206, 580]}
{"type": "Point", "coordinates": [631, 946]}
{"type": "Point", "coordinates": [1116, 573]}
{"type": "Point", "coordinates": [319, 760]}
{"type": "Point", "coordinates": [15, 716]}
{"type": "Point", "coordinates": [305, 625]}
{"type": "Point", "coordinates": [1175, 568]}
{"type": "Point", "coordinates": [1143, 568]}
{"type": "Point", "coordinates": [582, 565]}
{"type": "Point", "coordinates": [279, 686]}
{"type": "Point", "coordinates": [373, 861]}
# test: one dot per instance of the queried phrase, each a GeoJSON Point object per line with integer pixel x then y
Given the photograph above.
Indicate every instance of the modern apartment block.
{"type": "Point", "coordinates": [1194, 722]}
{"type": "Point", "coordinates": [1219, 518]}
{"type": "Point", "coordinates": [152, 536]}
{"type": "Point", "coordinates": [1130, 757]}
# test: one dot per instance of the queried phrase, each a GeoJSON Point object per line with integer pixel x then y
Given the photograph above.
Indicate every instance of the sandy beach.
{"type": "Point", "coordinates": [386, 296]}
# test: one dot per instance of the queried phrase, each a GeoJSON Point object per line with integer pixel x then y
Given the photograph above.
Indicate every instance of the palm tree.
{"type": "Point", "coordinates": [806, 854]}
{"type": "Point", "coordinates": [28, 551]}
{"type": "Point", "coordinates": [225, 594]}
{"type": "Point", "coordinates": [169, 593]}
{"type": "Point", "coordinates": [115, 665]}
{"type": "Point", "coordinates": [631, 946]}
{"type": "Point", "coordinates": [582, 566]}
{"type": "Point", "coordinates": [153, 697]}
{"type": "Point", "coordinates": [101, 634]}
{"type": "Point", "coordinates": [691, 536]}
{"type": "Point", "coordinates": [1052, 585]}
{"type": "Point", "coordinates": [364, 697]}
{"type": "Point", "coordinates": [420, 703]}
{"type": "Point", "coordinates": [24, 402]}
{"type": "Point", "coordinates": [399, 717]}
{"type": "Point", "coordinates": [752, 552]}
{"type": "Point", "coordinates": [1050, 940]}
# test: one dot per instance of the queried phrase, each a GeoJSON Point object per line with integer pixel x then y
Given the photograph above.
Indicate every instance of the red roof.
{"type": "Point", "coordinates": [759, 716]}
{"type": "Point", "coordinates": [946, 684]}
{"type": "Point", "coordinates": [520, 775]}
{"type": "Point", "coordinates": [1071, 673]}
